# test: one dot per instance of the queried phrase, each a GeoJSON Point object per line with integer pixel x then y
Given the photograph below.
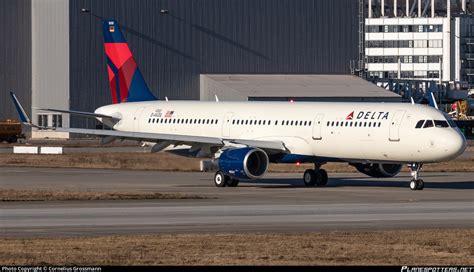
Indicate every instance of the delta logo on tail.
{"type": "Point", "coordinates": [369, 115]}
{"type": "Point", "coordinates": [126, 80]}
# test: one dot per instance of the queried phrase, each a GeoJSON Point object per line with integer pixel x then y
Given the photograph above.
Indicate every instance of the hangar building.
{"type": "Point", "coordinates": [52, 53]}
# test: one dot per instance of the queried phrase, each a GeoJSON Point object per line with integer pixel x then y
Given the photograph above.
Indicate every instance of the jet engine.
{"type": "Point", "coordinates": [378, 170]}
{"type": "Point", "coordinates": [244, 163]}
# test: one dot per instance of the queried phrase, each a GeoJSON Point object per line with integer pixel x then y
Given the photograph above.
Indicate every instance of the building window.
{"type": "Point", "coordinates": [42, 120]}
{"type": "Point", "coordinates": [57, 120]}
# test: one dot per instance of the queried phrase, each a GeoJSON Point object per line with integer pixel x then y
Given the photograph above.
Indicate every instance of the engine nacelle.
{"type": "Point", "coordinates": [378, 170]}
{"type": "Point", "coordinates": [244, 163]}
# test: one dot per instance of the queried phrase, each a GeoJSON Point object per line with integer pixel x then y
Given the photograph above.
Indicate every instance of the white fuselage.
{"type": "Point", "coordinates": [376, 132]}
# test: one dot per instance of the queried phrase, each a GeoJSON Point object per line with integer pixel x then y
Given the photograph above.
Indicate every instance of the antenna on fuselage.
{"type": "Point", "coordinates": [217, 98]}
{"type": "Point", "coordinates": [412, 101]}
{"type": "Point", "coordinates": [166, 98]}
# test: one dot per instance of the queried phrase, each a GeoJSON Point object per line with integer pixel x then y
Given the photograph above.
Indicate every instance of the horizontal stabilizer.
{"type": "Point", "coordinates": [85, 114]}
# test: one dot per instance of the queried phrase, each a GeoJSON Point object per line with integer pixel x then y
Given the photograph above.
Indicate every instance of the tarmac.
{"type": "Point", "coordinates": [278, 203]}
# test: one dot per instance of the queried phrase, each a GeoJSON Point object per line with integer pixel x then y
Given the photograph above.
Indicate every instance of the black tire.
{"type": "Point", "coordinates": [12, 139]}
{"type": "Point", "coordinates": [413, 185]}
{"type": "Point", "coordinates": [233, 182]}
{"type": "Point", "coordinates": [309, 177]}
{"type": "Point", "coordinates": [420, 184]}
{"type": "Point", "coordinates": [321, 177]}
{"type": "Point", "coordinates": [220, 180]}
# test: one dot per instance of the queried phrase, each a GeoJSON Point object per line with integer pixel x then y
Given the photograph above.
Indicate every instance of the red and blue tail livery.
{"type": "Point", "coordinates": [126, 80]}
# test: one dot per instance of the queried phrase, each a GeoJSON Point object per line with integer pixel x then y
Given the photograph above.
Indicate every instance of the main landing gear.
{"type": "Point", "coordinates": [416, 183]}
{"type": "Point", "coordinates": [316, 177]}
{"type": "Point", "coordinates": [222, 180]}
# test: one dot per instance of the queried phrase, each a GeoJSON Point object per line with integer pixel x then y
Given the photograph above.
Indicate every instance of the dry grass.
{"type": "Point", "coordinates": [28, 195]}
{"type": "Point", "coordinates": [406, 247]}
{"type": "Point", "coordinates": [169, 162]}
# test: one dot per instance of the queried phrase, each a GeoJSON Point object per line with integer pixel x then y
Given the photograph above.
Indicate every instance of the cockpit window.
{"type": "Point", "coordinates": [428, 124]}
{"type": "Point", "coordinates": [419, 124]}
{"type": "Point", "coordinates": [441, 124]}
{"type": "Point", "coordinates": [451, 123]}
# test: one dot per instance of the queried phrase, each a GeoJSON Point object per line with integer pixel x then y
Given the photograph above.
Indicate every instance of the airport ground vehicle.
{"type": "Point", "coordinates": [10, 130]}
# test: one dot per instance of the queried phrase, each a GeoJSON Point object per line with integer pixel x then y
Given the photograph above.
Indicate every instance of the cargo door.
{"type": "Point", "coordinates": [395, 126]}
{"type": "Point", "coordinates": [227, 122]}
{"type": "Point", "coordinates": [317, 126]}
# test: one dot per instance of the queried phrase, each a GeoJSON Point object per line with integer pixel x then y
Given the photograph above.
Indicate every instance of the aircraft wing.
{"type": "Point", "coordinates": [176, 139]}
{"type": "Point", "coordinates": [143, 135]}
{"type": "Point", "coordinates": [163, 139]}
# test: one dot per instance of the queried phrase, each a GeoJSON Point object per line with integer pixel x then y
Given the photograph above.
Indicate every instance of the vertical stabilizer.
{"type": "Point", "coordinates": [126, 80]}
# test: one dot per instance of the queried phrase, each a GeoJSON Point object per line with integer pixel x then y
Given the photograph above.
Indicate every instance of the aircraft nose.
{"type": "Point", "coordinates": [454, 144]}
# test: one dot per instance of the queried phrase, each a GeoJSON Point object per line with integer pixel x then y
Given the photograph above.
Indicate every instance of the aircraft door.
{"type": "Point", "coordinates": [395, 126]}
{"type": "Point", "coordinates": [137, 119]}
{"type": "Point", "coordinates": [317, 125]}
{"type": "Point", "coordinates": [226, 124]}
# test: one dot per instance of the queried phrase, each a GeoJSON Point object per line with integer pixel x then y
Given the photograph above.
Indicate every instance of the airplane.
{"type": "Point", "coordinates": [243, 138]}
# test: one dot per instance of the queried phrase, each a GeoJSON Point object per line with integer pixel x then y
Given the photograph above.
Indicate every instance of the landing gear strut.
{"type": "Point", "coordinates": [416, 183]}
{"type": "Point", "coordinates": [222, 180]}
{"type": "Point", "coordinates": [316, 177]}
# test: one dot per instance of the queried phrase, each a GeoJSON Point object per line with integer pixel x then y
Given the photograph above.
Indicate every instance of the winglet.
{"type": "Point", "coordinates": [432, 99]}
{"type": "Point", "coordinates": [21, 112]}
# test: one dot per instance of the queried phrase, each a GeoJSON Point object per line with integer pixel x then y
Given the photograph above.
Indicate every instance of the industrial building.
{"type": "Point", "coordinates": [52, 52]}
{"type": "Point", "coordinates": [420, 40]}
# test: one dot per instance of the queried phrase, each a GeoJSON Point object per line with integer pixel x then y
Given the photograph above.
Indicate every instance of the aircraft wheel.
{"type": "Point", "coordinates": [220, 180]}
{"type": "Point", "coordinates": [233, 182]}
{"type": "Point", "coordinates": [420, 184]}
{"type": "Point", "coordinates": [321, 177]}
{"type": "Point", "coordinates": [413, 185]}
{"type": "Point", "coordinates": [309, 177]}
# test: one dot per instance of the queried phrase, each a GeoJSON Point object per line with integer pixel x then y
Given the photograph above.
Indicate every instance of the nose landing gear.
{"type": "Point", "coordinates": [416, 183]}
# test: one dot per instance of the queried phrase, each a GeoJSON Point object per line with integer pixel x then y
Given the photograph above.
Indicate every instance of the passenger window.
{"type": "Point", "coordinates": [259, 122]}
{"type": "Point", "coordinates": [441, 123]}
{"type": "Point", "coordinates": [428, 124]}
{"type": "Point", "coordinates": [310, 123]}
{"type": "Point", "coordinates": [380, 124]}
{"type": "Point", "coordinates": [419, 124]}
{"type": "Point", "coordinates": [263, 122]}
{"type": "Point", "coordinates": [276, 122]}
